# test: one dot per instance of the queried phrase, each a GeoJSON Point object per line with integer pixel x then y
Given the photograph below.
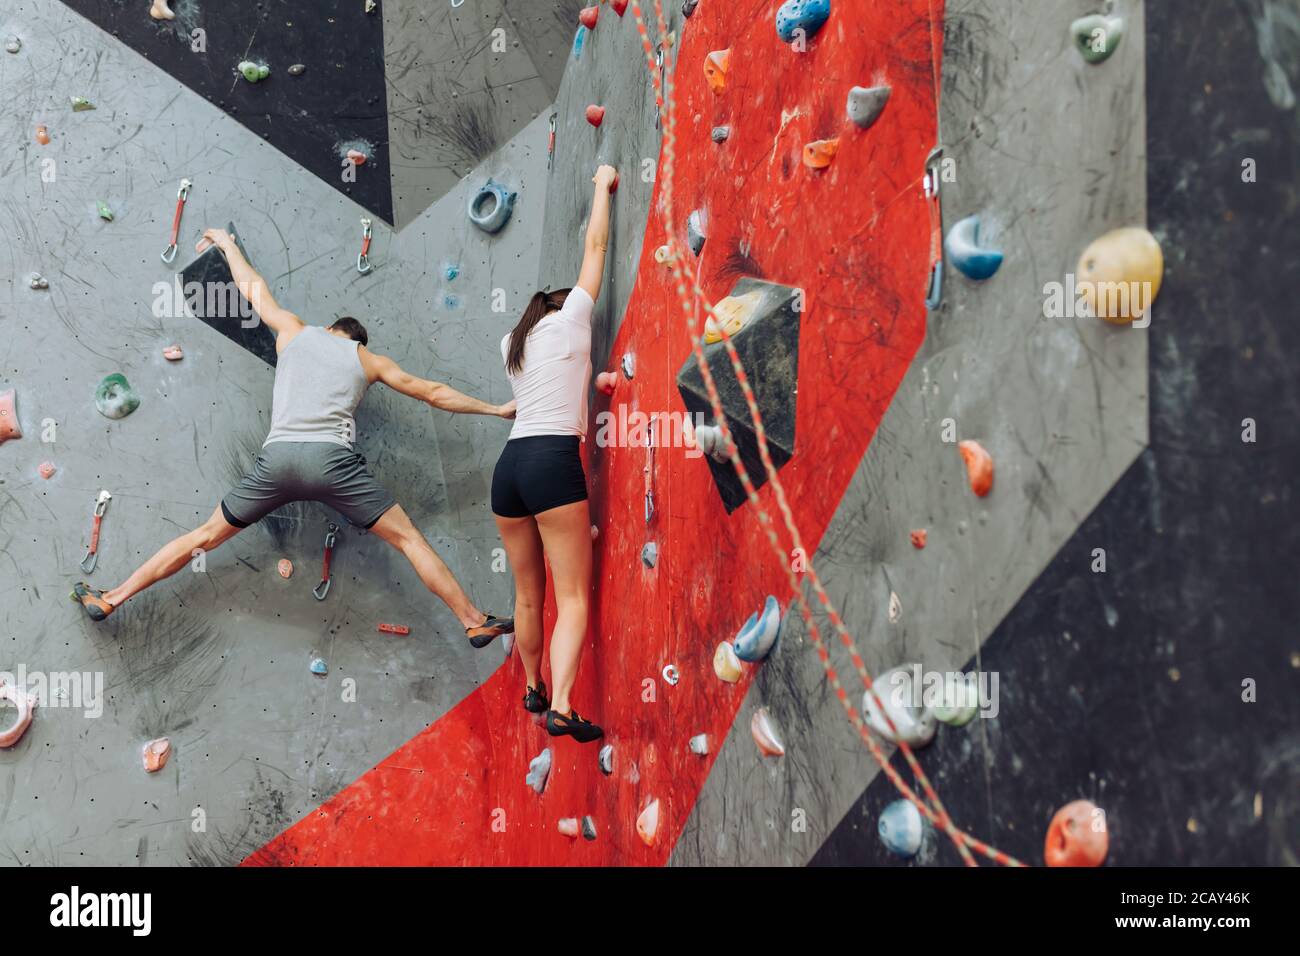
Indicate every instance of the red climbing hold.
{"type": "Point", "coordinates": [9, 427]}
{"type": "Point", "coordinates": [918, 538]}
{"type": "Point", "coordinates": [588, 16]}
{"type": "Point", "coordinates": [595, 114]}
{"type": "Point", "coordinates": [979, 466]}
{"type": "Point", "coordinates": [394, 629]}
{"type": "Point", "coordinates": [1077, 836]}
{"type": "Point", "coordinates": [818, 154]}
{"type": "Point", "coordinates": [606, 381]}
{"type": "Point", "coordinates": [715, 69]}
{"type": "Point", "coordinates": [356, 157]}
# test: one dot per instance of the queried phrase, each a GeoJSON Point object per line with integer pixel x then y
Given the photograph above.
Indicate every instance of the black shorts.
{"type": "Point", "coordinates": [537, 474]}
{"type": "Point", "coordinates": [321, 471]}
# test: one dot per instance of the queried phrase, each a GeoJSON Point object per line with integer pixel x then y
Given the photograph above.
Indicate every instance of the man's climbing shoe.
{"type": "Point", "coordinates": [560, 725]}
{"type": "Point", "coordinates": [91, 601]}
{"type": "Point", "coordinates": [490, 630]}
{"type": "Point", "coordinates": [536, 701]}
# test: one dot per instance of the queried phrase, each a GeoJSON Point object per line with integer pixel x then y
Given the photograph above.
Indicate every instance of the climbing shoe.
{"type": "Point", "coordinates": [91, 601]}
{"type": "Point", "coordinates": [490, 630]}
{"type": "Point", "coordinates": [560, 725]}
{"type": "Point", "coordinates": [536, 701]}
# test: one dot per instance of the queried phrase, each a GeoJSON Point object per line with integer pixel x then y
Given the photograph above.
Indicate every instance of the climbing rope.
{"type": "Point", "coordinates": [681, 272]}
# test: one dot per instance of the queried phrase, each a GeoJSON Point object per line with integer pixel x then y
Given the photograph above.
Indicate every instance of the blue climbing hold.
{"type": "Point", "coordinates": [755, 640]}
{"type": "Point", "coordinates": [318, 666]}
{"type": "Point", "coordinates": [577, 42]}
{"type": "Point", "coordinates": [901, 828]}
{"type": "Point", "coordinates": [490, 207]}
{"type": "Point", "coordinates": [966, 254]}
{"type": "Point", "coordinates": [450, 270]}
{"type": "Point", "coordinates": [806, 15]}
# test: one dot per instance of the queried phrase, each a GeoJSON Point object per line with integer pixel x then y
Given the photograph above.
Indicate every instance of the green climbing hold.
{"type": "Point", "coordinates": [104, 211]}
{"type": "Point", "coordinates": [1097, 36]}
{"type": "Point", "coordinates": [115, 398]}
{"type": "Point", "coordinates": [80, 104]}
{"type": "Point", "coordinates": [254, 72]}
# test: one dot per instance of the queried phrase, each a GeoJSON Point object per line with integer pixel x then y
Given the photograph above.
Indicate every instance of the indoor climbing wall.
{"type": "Point", "coordinates": [880, 203]}
{"type": "Point", "coordinates": [217, 659]}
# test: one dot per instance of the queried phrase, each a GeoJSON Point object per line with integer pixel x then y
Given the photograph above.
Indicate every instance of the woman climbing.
{"type": "Point", "coordinates": [539, 490]}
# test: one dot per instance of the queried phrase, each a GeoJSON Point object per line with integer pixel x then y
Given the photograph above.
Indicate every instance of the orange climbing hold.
{"type": "Point", "coordinates": [46, 470]}
{"type": "Point", "coordinates": [588, 17]}
{"type": "Point", "coordinates": [42, 136]}
{"type": "Point", "coordinates": [818, 154]}
{"type": "Point", "coordinates": [9, 427]}
{"type": "Point", "coordinates": [1077, 836]}
{"type": "Point", "coordinates": [595, 114]}
{"type": "Point", "coordinates": [647, 824]}
{"type": "Point", "coordinates": [394, 629]}
{"type": "Point", "coordinates": [156, 753]}
{"type": "Point", "coordinates": [979, 466]}
{"type": "Point", "coordinates": [285, 567]}
{"type": "Point", "coordinates": [918, 538]}
{"type": "Point", "coordinates": [715, 69]}
{"type": "Point", "coordinates": [173, 353]}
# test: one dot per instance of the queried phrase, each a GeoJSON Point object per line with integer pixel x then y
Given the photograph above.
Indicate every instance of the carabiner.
{"type": "Point", "coordinates": [326, 579]}
{"type": "Point", "coordinates": [363, 259]}
{"type": "Point", "coordinates": [91, 559]}
{"type": "Point", "coordinates": [182, 194]}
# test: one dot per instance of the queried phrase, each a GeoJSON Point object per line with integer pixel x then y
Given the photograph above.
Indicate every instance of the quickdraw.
{"type": "Point", "coordinates": [363, 259]}
{"type": "Point", "coordinates": [323, 588]}
{"type": "Point", "coordinates": [930, 185]}
{"type": "Point", "coordinates": [550, 144]}
{"type": "Point", "coordinates": [659, 62]}
{"type": "Point", "coordinates": [182, 194]}
{"type": "Point", "coordinates": [650, 473]}
{"type": "Point", "coordinates": [92, 552]}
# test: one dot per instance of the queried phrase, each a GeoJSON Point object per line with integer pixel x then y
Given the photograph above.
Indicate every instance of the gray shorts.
{"type": "Point", "coordinates": [321, 471]}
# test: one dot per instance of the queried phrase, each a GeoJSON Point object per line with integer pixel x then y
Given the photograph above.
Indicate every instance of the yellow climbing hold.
{"type": "Point", "coordinates": [1119, 274]}
{"type": "Point", "coordinates": [733, 313]}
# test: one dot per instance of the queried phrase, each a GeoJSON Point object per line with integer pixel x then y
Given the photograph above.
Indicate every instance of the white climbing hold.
{"type": "Point", "coordinates": [650, 554]}
{"type": "Point", "coordinates": [902, 828]}
{"type": "Point", "coordinates": [606, 759]}
{"type": "Point", "coordinates": [539, 769]}
{"type": "Point", "coordinates": [628, 365]}
{"type": "Point", "coordinates": [967, 255]}
{"type": "Point", "coordinates": [866, 103]}
{"type": "Point", "coordinates": [25, 704]}
{"type": "Point", "coordinates": [699, 744]}
{"type": "Point", "coordinates": [895, 608]}
{"type": "Point", "coordinates": [647, 824]}
{"type": "Point", "coordinates": [903, 701]}
{"type": "Point", "coordinates": [569, 827]}
{"type": "Point", "coordinates": [671, 675]}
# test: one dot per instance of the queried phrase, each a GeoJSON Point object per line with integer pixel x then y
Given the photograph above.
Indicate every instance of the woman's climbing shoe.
{"type": "Point", "coordinates": [91, 601]}
{"type": "Point", "coordinates": [560, 725]}
{"type": "Point", "coordinates": [490, 630]}
{"type": "Point", "coordinates": [536, 701]}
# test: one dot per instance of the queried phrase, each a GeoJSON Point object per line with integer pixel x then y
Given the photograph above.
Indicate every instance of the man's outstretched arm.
{"type": "Point", "coordinates": [379, 368]}
{"type": "Point", "coordinates": [251, 285]}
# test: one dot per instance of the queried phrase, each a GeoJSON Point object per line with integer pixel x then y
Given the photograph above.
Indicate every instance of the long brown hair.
{"type": "Point", "coordinates": [540, 305]}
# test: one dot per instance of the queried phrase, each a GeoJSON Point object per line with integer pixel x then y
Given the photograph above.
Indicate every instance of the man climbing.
{"type": "Point", "coordinates": [321, 376]}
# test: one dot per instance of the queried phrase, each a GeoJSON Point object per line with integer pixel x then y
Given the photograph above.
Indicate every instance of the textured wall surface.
{"type": "Point", "coordinates": [218, 661]}
{"type": "Point", "coordinates": [428, 764]}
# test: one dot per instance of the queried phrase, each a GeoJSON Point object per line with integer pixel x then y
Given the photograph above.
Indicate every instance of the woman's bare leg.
{"type": "Point", "coordinates": [527, 563]}
{"type": "Point", "coordinates": [566, 536]}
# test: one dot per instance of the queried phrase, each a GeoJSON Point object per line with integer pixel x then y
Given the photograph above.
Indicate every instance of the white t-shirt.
{"type": "Point", "coordinates": [551, 389]}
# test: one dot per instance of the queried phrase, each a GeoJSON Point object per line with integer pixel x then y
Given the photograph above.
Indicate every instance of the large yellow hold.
{"type": "Point", "coordinates": [1119, 274]}
{"type": "Point", "coordinates": [734, 312]}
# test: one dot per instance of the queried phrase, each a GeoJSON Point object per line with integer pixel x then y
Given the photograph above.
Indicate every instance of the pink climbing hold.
{"type": "Point", "coordinates": [595, 532]}
{"type": "Point", "coordinates": [285, 567]}
{"type": "Point", "coordinates": [9, 427]}
{"type": "Point", "coordinates": [25, 704]}
{"type": "Point", "coordinates": [569, 827]}
{"type": "Point", "coordinates": [595, 114]}
{"type": "Point", "coordinates": [588, 17]}
{"type": "Point", "coordinates": [606, 381]}
{"type": "Point", "coordinates": [620, 6]}
{"type": "Point", "coordinates": [173, 353]}
{"type": "Point", "coordinates": [919, 537]}
{"type": "Point", "coordinates": [356, 157]}
{"type": "Point", "coordinates": [979, 466]}
{"type": "Point", "coordinates": [156, 753]}
{"type": "Point", "coordinates": [46, 470]}
{"type": "Point", "coordinates": [764, 732]}
{"type": "Point", "coordinates": [647, 824]}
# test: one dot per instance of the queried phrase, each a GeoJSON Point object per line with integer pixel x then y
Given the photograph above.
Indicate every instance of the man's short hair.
{"type": "Point", "coordinates": [352, 329]}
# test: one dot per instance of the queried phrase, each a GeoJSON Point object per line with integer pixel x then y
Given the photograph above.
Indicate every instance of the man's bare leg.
{"type": "Point", "coordinates": [170, 558]}
{"type": "Point", "coordinates": [397, 529]}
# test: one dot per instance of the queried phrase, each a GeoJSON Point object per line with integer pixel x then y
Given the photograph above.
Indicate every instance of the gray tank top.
{"type": "Point", "coordinates": [319, 383]}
